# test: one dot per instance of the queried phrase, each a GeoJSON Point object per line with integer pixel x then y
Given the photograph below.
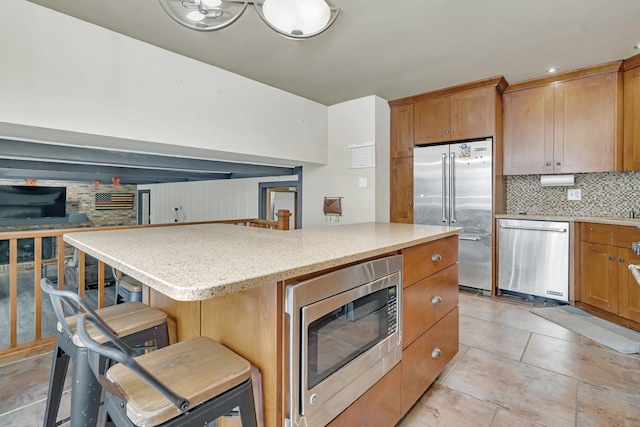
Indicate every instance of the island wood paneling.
{"type": "Point", "coordinates": [250, 323]}
{"type": "Point", "coordinates": [183, 317]}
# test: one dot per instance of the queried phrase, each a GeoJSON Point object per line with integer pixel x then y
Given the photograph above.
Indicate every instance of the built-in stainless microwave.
{"type": "Point", "coordinates": [344, 335]}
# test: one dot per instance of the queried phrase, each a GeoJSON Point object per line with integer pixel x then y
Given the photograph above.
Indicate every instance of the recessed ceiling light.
{"type": "Point", "coordinates": [552, 70]}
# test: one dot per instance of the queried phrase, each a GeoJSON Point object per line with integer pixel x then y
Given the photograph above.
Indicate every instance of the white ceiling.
{"type": "Point", "coordinates": [392, 48]}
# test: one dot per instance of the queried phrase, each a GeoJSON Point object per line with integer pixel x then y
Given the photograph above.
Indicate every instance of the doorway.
{"type": "Point", "coordinates": [273, 196]}
{"type": "Point", "coordinates": [282, 198]}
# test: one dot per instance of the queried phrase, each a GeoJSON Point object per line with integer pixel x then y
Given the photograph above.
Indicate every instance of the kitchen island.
{"type": "Point", "coordinates": [227, 282]}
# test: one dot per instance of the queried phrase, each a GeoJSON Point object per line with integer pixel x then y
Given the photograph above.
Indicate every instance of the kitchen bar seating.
{"type": "Point", "coordinates": [134, 322]}
{"type": "Point", "coordinates": [190, 383]}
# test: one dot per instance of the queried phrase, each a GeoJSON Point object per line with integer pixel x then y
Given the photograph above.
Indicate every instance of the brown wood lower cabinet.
{"type": "Point", "coordinates": [599, 276]}
{"type": "Point", "coordinates": [428, 301]}
{"type": "Point", "coordinates": [379, 406]}
{"type": "Point", "coordinates": [628, 287]}
{"type": "Point", "coordinates": [423, 360]}
{"type": "Point", "coordinates": [606, 283]}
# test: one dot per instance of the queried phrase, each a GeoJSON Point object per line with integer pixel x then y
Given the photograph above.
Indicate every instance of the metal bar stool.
{"type": "Point", "coordinates": [135, 323]}
{"type": "Point", "coordinates": [190, 383]}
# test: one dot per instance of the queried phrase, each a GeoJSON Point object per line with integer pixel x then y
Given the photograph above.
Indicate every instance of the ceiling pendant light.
{"type": "Point", "coordinates": [297, 17]}
{"type": "Point", "coordinates": [293, 19]}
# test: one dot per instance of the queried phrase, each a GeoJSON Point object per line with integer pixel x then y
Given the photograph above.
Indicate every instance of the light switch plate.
{"type": "Point", "coordinates": [574, 194]}
{"type": "Point", "coordinates": [362, 182]}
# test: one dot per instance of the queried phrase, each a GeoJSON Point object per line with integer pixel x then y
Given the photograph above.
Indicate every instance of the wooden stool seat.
{"type": "Point", "coordinates": [199, 369]}
{"type": "Point", "coordinates": [125, 319]}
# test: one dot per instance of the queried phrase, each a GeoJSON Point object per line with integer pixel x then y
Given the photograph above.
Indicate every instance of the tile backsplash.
{"type": "Point", "coordinates": [611, 194]}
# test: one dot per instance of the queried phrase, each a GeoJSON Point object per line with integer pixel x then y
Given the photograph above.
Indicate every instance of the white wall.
{"type": "Point", "coordinates": [206, 200]}
{"type": "Point", "coordinates": [350, 122]}
{"type": "Point", "coordinates": [383, 160]}
{"type": "Point", "coordinates": [64, 80]}
{"type": "Point", "coordinates": [64, 74]}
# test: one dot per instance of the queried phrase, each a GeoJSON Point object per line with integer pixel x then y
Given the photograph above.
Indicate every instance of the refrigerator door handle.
{"type": "Point", "coordinates": [444, 188]}
{"type": "Point", "coordinates": [452, 195]}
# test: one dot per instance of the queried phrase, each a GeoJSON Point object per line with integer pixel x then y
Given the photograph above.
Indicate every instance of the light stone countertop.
{"type": "Point", "coordinates": [197, 262]}
{"type": "Point", "coordinates": [632, 222]}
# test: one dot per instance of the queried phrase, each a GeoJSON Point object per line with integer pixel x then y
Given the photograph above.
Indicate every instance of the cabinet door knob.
{"type": "Point", "coordinates": [548, 163]}
{"type": "Point", "coordinates": [436, 353]}
{"type": "Point", "coordinates": [411, 148]}
{"type": "Point", "coordinates": [410, 203]}
{"type": "Point", "coordinates": [436, 257]}
{"type": "Point", "coordinates": [454, 130]}
{"type": "Point", "coordinates": [557, 163]}
{"type": "Point", "coordinates": [436, 299]}
{"type": "Point", "coordinates": [446, 131]}
{"type": "Point", "coordinates": [611, 257]}
{"type": "Point", "coordinates": [621, 259]}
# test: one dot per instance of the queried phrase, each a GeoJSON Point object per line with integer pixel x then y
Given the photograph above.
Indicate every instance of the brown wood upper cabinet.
{"type": "Point", "coordinates": [470, 110]}
{"type": "Point", "coordinates": [464, 115]}
{"type": "Point", "coordinates": [631, 69]}
{"type": "Point", "coordinates": [402, 131]}
{"type": "Point", "coordinates": [570, 126]}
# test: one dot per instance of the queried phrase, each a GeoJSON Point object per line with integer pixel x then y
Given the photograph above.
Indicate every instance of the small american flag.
{"type": "Point", "coordinates": [114, 201]}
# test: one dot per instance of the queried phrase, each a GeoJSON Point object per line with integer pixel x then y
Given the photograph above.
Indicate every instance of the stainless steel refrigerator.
{"type": "Point", "coordinates": [453, 186]}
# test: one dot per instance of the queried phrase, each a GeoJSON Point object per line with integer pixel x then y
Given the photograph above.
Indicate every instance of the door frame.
{"type": "Point", "coordinates": [140, 198]}
{"type": "Point", "coordinates": [262, 196]}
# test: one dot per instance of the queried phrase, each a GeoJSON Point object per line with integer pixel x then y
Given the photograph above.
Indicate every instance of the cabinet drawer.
{"type": "Point", "coordinates": [427, 301]}
{"type": "Point", "coordinates": [423, 260]}
{"type": "Point", "coordinates": [607, 234]}
{"type": "Point", "coordinates": [423, 360]}
{"type": "Point", "coordinates": [597, 233]}
{"type": "Point", "coordinates": [379, 406]}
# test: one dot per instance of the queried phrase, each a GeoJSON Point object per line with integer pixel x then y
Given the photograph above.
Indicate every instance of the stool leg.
{"type": "Point", "coordinates": [85, 392]}
{"type": "Point", "coordinates": [162, 335]}
{"type": "Point", "coordinates": [247, 408]}
{"type": "Point", "coordinates": [56, 385]}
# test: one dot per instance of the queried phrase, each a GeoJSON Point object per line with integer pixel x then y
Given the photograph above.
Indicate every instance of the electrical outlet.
{"type": "Point", "coordinates": [574, 194]}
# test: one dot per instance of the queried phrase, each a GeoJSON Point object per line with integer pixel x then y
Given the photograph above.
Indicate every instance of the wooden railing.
{"type": "Point", "coordinates": [15, 303]}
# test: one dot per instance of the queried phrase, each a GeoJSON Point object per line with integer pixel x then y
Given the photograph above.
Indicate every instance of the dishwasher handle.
{"type": "Point", "coordinates": [520, 227]}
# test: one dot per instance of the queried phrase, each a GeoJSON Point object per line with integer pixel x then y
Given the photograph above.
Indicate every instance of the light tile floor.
{"type": "Point", "coordinates": [517, 369]}
{"type": "Point", "coordinates": [513, 369]}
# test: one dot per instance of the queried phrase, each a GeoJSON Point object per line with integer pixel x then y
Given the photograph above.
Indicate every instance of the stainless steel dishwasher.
{"type": "Point", "coordinates": [533, 257]}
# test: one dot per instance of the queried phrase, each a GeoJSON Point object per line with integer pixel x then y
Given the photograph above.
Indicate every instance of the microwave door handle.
{"type": "Point", "coordinates": [452, 194]}
{"type": "Point", "coordinates": [444, 188]}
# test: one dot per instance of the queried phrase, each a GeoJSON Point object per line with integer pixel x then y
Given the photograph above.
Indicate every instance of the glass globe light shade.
{"type": "Point", "coordinates": [195, 16]}
{"type": "Point", "coordinates": [298, 17]}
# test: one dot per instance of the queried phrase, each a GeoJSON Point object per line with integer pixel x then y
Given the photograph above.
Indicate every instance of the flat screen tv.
{"type": "Point", "coordinates": [23, 201]}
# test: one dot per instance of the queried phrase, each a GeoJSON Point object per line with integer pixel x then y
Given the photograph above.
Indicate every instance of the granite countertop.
{"type": "Point", "coordinates": [196, 262]}
{"type": "Point", "coordinates": [633, 222]}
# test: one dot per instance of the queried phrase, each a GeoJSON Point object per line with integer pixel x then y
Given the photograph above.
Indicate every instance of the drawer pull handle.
{"type": "Point", "coordinates": [436, 299]}
{"type": "Point", "coordinates": [436, 257]}
{"type": "Point", "coordinates": [436, 353]}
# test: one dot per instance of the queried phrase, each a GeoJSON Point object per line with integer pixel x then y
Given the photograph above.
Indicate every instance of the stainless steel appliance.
{"type": "Point", "coordinates": [344, 335]}
{"type": "Point", "coordinates": [533, 257]}
{"type": "Point", "coordinates": [453, 186]}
